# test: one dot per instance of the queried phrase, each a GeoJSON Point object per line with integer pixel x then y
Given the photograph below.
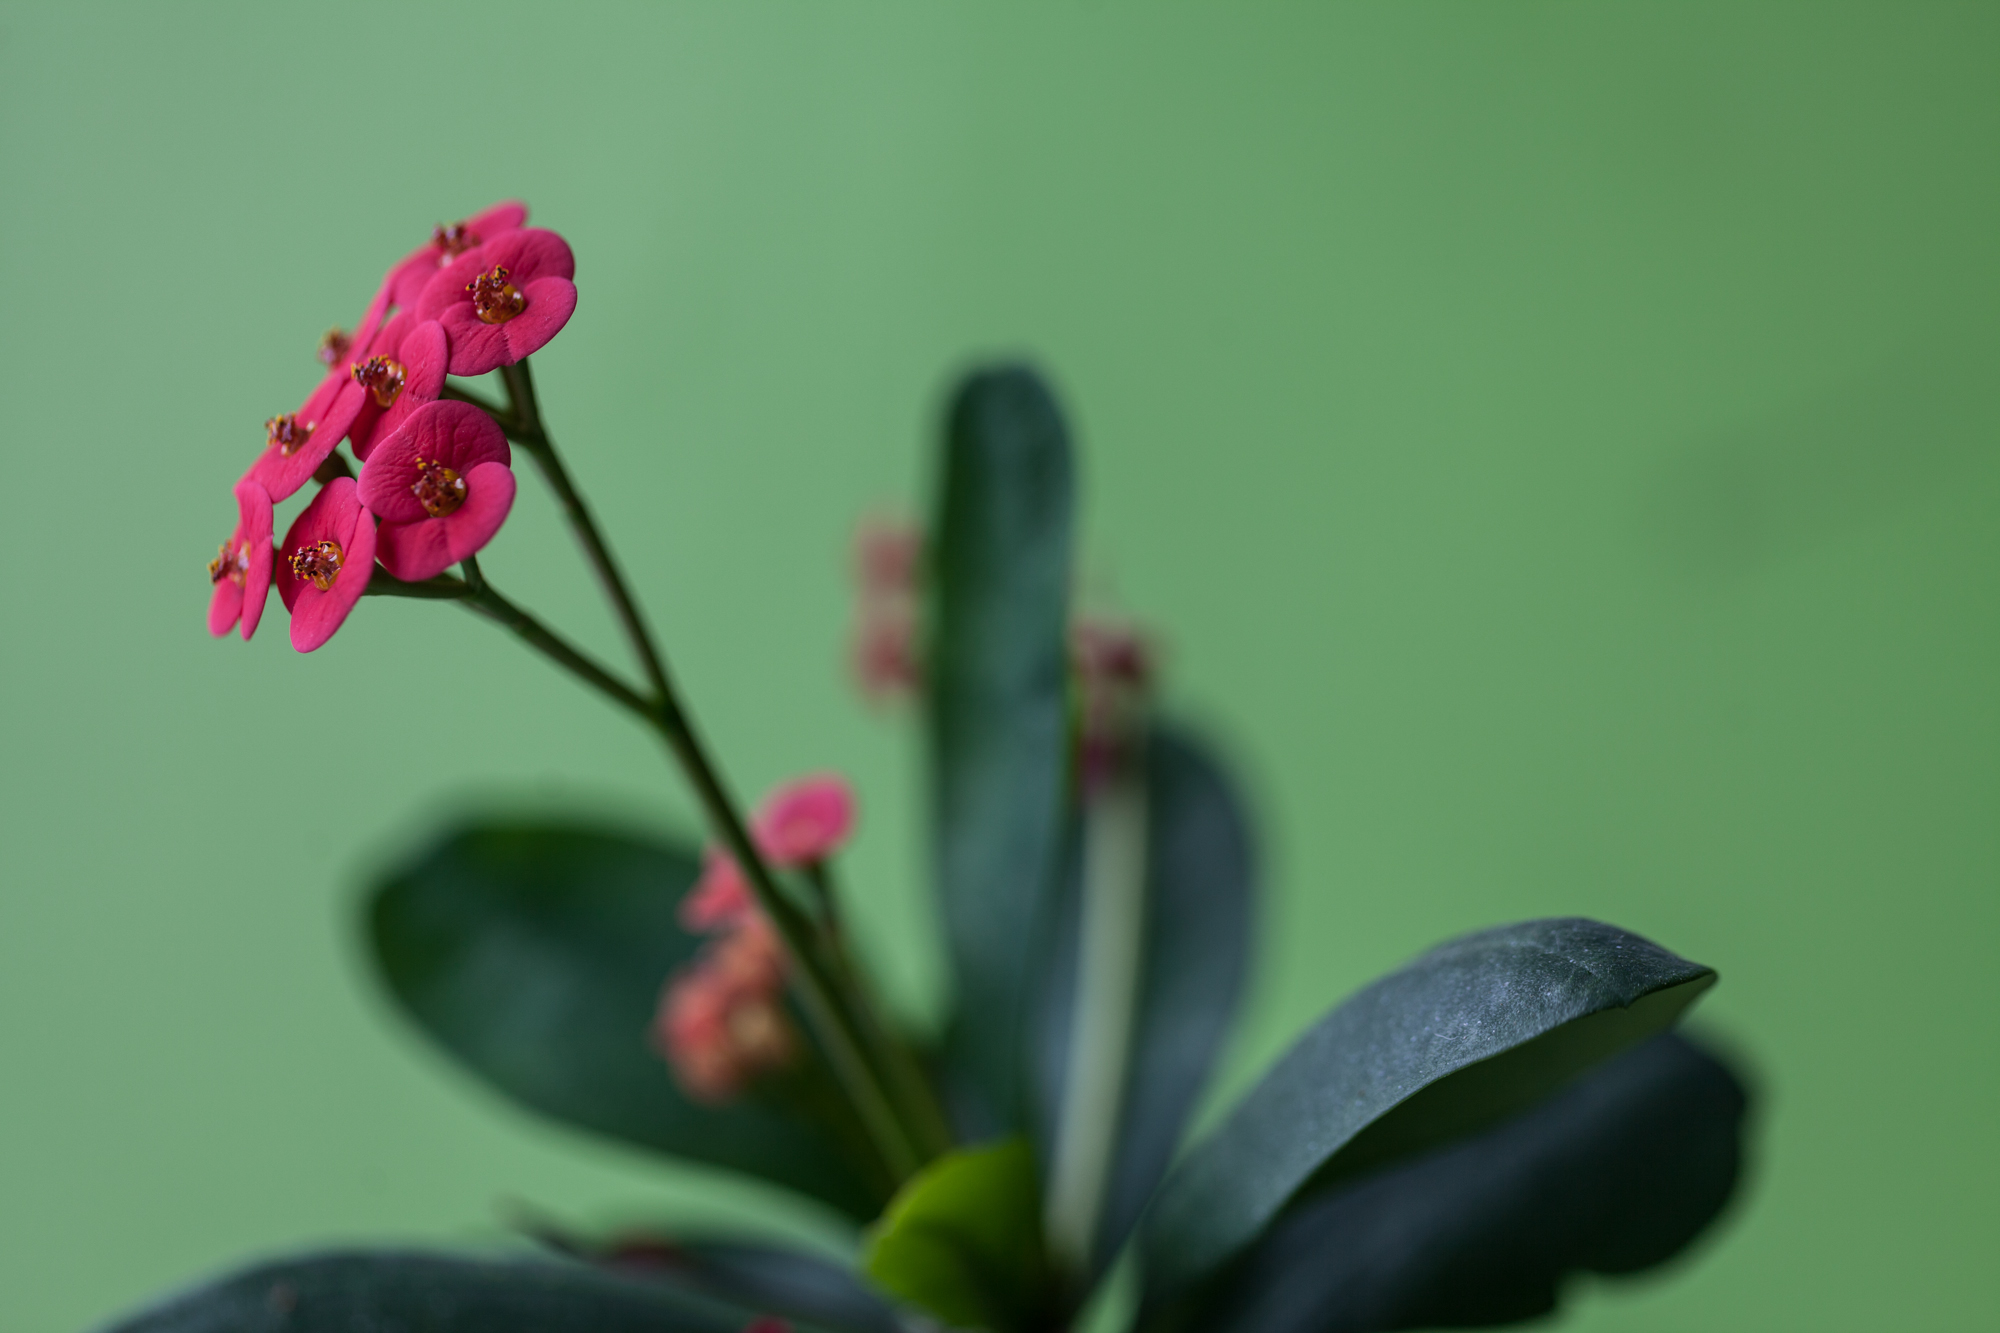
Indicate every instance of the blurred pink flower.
{"type": "Point", "coordinates": [806, 820]}
{"type": "Point", "coordinates": [441, 485]}
{"type": "Point", "coordinates": [884, 653]}
{"type": "Point", "coordinates": [803, 821]}
{"type": "Point", "coordinates": [720, 898]}
{"type": "Point", "coordinates": [241, 570]}
{"type": "Point", "coordinates": [503, 300]}
{"type": "Point", "coordinates": [1114, 665]}
{"type": "Point", "coordinates": [721, 1020]}
{"type": "Point", "coordinates": [325, 562]}
{"type": "Point", "coordinates": [1110, 653]}
{"type": "Point", "coordinates": [887, 553]}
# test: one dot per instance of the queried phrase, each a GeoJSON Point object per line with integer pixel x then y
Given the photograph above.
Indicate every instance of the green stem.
{"type": "Point", "coordinates": [905, 1073]}
{"type": "Point", "coordinates": [871, 1103]}
{"type": "Point", "coordinates": [533, 435]}
{"type": "Point", "coordinates": [382, 583]}
{"type": "Point", "coordinates": [829, 1006]}
{"type": "Point", "coordinates": [494, 410]}
{"type": "Point", "coordinates": [482, 598]}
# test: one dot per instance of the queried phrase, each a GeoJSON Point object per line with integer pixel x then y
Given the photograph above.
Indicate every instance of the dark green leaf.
{"type": "Point", "coordinates": [963, 1239]}
{"type": "Point", "coordinates": [769, 1278]}
{"type": "Point", "coordinates": [1195, 938]}
{"type": "Point", "coordinates": [1616, 1173]}
{"type": "Point", "coordinates": [998, 673]}
{"type": "Point", "coordinates": [391, 1292]}
{"type": "Point", "coordinates": [1466, 1035]}
{"type": "Point", "coordinates": [535, 954]}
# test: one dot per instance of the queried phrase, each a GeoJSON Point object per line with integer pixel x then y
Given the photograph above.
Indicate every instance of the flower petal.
{"type": "Point", "coordinates": [225, 605]}
{"type": "Point", "coordinates": [530, 256]}
{"type": "Point", "coordinates": [455, 434]}
{"type": "Point", "coordinates": [253, 505]}
{"type": "Point", "coordinates": [423, 351]}
{"type": "Point", "coordinates": [415, 551]}
{"type": "Point", "coordinates": [806, 820]}
{"type": "Point", "coordinates": [330, 409]}
{"type": "Point", "coordinates": [415, 269]}
{"type": "Point", "coordinates": [489, 495]}
{"type": "Point", "coordinates": [317, 615]}
{"type": "Point", "coordinates": [551, 301]}
{"type": "Point", "coordinates": [429, 546]}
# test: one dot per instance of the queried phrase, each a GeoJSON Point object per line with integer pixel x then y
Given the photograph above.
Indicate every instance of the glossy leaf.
{"type": "Point", "coordinates": [963, 1239]}
{"type": "Point", "coordinates": [997, 672]}
{"type": "Point", "coordinates": [400, 1292]}
{"type": "Point", "coordinates": [1194, 923]}
{"type": "Point", "coordinates": [1468, 1034]}
{"type": "Point", "coordinates": [768, 1278]}
{"type": "Point", "coordinates": [534, 954]}
{"type": "Point", "coordinates": [1616, 1173]}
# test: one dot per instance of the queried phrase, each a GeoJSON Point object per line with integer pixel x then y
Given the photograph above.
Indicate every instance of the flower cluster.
{"type": "Point", "coordinates": [887, 556]}
{"type": "Point", "coordinates": [721, 1021]}
{"type": "Point", "coordinates": [436, 480]}
{"type": "Point", "coordinates": [1112, 661]}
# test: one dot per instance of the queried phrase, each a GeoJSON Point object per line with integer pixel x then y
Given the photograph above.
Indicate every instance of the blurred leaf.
{"type": "Point", "coordinates": [1471, 1032]}
{"type": "Point", "coordinates": [998, 674]}
{"type": "Point", "coordinates": [396, 1292]}
{"type": "Point", "coordinates": [1195, 927]}
{"type": "Point", "coordinates": [535, 953]}
{"type": "Point", "coordinates": [963, 1239]}
{"type": "Point", "coordinates": [767, 1278]}
{"type": "Point", "coordinates": [1616, 1173]}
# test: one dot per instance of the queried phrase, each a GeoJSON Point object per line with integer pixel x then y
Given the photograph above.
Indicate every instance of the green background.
{"type": "Point", "coordinates": [1556, 444]}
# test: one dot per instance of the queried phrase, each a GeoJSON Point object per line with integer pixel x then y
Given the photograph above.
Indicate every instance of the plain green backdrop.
{"type": "Point", "coordinates": [1556, 444]}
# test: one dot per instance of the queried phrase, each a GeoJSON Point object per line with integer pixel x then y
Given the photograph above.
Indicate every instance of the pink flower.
{"type": "Point", "coordinates": [721, 1020]}
{"type": "Point", "coordinates": [887, 553]}
{"type": "Point", "coordinates": [325, 562]}
{"type": "Point", "coordinates": [805, 821]}
{"type": "Point", "coordinates": [503, 300]}
{"type": "Point", "coordinates": [799, 823]}
{"type": "Point", "coordinates": [402, 371]}
{"type": "Point", "coordinates": [241, 570]}
{"type": "Point", "coordinates": [449, 241]}
{"type": "Point", "coordinates": [884, 652]}
{"type": "Point", "coordinates": [337, 347]}
{"type": "Point", "coordinates": [721, 898]}
{"type": "Point", "coordinates": [1108, 653]}
{"type": "Point", "coordinates": [442, 487]}
{"type": "Point", "coordinates": [750, 958]}
{"type": "Point", "coordinates": [1114, 665]}
{"type": "Point", "coordinates": [296, 443]}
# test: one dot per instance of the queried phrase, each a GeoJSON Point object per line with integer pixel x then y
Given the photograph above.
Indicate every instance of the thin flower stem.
{"type": "Point", "coordinates": [905, 1073]}
{"type": "Point", "coordinates": [382, 583]}
{"type": "Point", "coordinates": [481, 597]}
{"type": "Point", "coordinates": [890, 1138]}
{"type": "Point", "coordinates": [533, 436]}
{"type": "Point", "coordinates": [818, 876]}
{"type": "Point", "coordinates": [906, 1124]}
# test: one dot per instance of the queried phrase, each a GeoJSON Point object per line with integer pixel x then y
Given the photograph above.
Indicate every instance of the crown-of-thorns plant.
{"type": "Point", "coordinates": [1441, 1149]}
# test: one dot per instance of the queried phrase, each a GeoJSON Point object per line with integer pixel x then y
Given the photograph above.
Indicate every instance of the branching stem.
{"type": "Point", "coordinates": [880, 1074]}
